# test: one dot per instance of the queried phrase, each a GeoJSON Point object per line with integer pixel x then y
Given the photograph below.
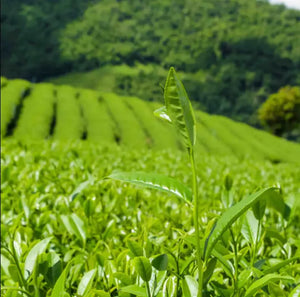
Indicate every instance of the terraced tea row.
{"type": "Point", "coordinates": [45, 111]}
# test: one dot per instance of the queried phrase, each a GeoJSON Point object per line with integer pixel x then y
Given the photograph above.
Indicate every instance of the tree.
{"type": "Point", "coordinates": [281, 112]}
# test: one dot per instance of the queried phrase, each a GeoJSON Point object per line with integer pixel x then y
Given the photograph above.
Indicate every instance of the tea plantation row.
{"type": "Point", "coordinates": [66, 231]}
{"type": "Point", "coordinates": [45, 111]}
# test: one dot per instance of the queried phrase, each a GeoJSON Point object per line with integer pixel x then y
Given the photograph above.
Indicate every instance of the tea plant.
{"type": "Point", "coordinates": [179, 112]}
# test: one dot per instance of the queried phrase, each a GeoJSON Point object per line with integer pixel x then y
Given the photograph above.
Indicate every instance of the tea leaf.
{"type": "Point", "coordinates": [209, 270]}
{"type": "Point", "coordinates": [162, 114]}
{"type": "Point", "coordinates": [179, 108]}
{"type": "Point", "coordinates": [281, 264]}
{"type": "Point", "coordinates": [257, 285]}
{"type": "Point", "coordinates": [143, 267]}
{"type": "Point", "coordinates": [250, 228]}
{"type": "Point", "coordinates": [155, 181]}
{"type": "Point", "coordinates": [189, 286]}
{"type": "Point", "coordinates": [232, 214]}
{"type": "Point", "coordinates": [75, 226]}
{"type": "Point", "coordinates": [86, 282]}
{"type": "Point", "coordinates": [59, 287]}
{"type": "Point", "coordinates": [135, 290]}
{"type": "Point", "coordinates": [160, 262]}
{"type": "Point", "coordinates": [170, 287]}
{"type": "Point", "coordinates": [295, 292]}
{"type": "Point", "coordinates": [135, 248]}
{"type": "Point", "coordinates": [32, 256]}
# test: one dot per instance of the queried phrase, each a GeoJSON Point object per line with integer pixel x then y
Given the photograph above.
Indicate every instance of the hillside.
{"type": "Point", "coordinates": [45, 111]}
{"type": "Point", "coordinates": [235, 53]}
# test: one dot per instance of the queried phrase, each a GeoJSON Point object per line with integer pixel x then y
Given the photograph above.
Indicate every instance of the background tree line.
{"type": "Point", "coordinates": [233, 53]}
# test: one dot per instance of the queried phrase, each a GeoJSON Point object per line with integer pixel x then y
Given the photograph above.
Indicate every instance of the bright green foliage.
{"type": "Point", "coordinates": [231, 215]}
{"type": "Point", "coordinates": [70, 123]}
{"type": "Point", "coordinates": [257, 285]}
{"type": "Point", "coordinates": [128, 121]}
{"type": "Point", "coordinates": [281, 112]}
{"type": "Point", "coordinates": [130, 132]}
{"type": "Point", "coordinates": [36, 115]}
{"type": "Point", "coordinates": [155, 181]}
{"type": "Point", "coordinates": [179, 108]}
{"type": "Point", "coordinates": [11, 96]}
{"type": "Point", "coordinates": [143, 267]}
{"type": "Point", "coordinates": [99, 124]}
{"type": "Point", "coordinates": [44, 176]}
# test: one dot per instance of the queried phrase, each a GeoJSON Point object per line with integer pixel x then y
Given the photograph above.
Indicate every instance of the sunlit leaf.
{"type": "Point", "coordinates": [162, 114]}
{"type": "Point", "coordinates": [86, 282]}
{"type": "Point", "coordinates": [189, 286]}
{"type": "Point", "coordinates": [143, 268]}
{"type": "Point", "coordinates": [155, 181]}
{"type": "Point", "coordinates": [257, 285]}
{"type": "Point", "coordinates": [32, 256]}
{"type": "Point", "coordinates": [232, 214]}
{"type": "Point", "coordinates": [179, 108]}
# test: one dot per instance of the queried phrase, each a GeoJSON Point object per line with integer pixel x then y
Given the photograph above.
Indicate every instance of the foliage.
{"type": "Point", "coordinates": [62, 112]}
{"type": "Point", "coordinates": [179, 112]}
{"type": "Point", "coordinates": [234, 53]}
{"type": "Point", "coordinates": [38, 181]}
{"type": "Point", "coordinates": [281, 112]}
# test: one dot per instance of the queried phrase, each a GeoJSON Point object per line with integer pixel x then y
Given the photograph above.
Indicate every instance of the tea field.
{"type": "Point", "coordinates": [46, 111]}
{"type": "Point", "coordinates": [65, 228]}
{"type": "Point", "coordinates": [68, 228]}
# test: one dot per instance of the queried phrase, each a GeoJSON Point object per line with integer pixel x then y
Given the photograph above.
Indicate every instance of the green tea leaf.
{"type": "Point", "coordinates": [123, 277]}
{"type": "Point", "coordinates": [280, 265]}
{"type": "Point", "coordinates": [162, 114]}
{"type": "Point", "coordinates": [170, 287]}
{"type": "Point", "coordinates": [143, 268]}
{"type": "Point", "coordinates": [278, 204]}
{"type": "Point", "coordinates": [257, 285]}
{"type": "Point", "coordinates": [59, 287]}
{"type": "Point", "coordinates": [32, 256]}
{"type": "Point", "coordinates": [250, 228]}
{"type": "Point", "coordinates": [135, 248]}
{"type": "Point", "coordinates": [209, 270]}
{"type": "Point", "coordinates": [179, 108]}
{"type": "Point", "coordinates": [159, 282]}
{"type": "Point", "coordinates": [232, 214]}
{"type": "Point", "coordinates": [155, 181]}
{"type": "Point", "coordinates": [86, 282]}
{"type": "Point", "coordinates": [79, 189]}
{"type": "Point", "coordinates": [75, 226]}
{"type": "Point", "coordinates": [54, 266]}
{"type": "Point", "coordinates": [160, 262]}
{"type": "Point", "coordinates": [295, 292]}
{"type": "Point", "coordinates": [135, 290]}
{"type": "Point", "coordinates": [189, 286]}
{"type": "Point", "coordinates": [259, 209]}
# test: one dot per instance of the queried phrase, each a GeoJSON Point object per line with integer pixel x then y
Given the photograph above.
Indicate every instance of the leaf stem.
{"type": "Point", "coordinates": [235, 279]}
{"type": "Point", "coordinates": [196, 223]}
{"type": "Point", "coordinates": [148, 289]}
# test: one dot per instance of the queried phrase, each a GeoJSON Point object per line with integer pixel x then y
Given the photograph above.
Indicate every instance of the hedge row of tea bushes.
{"type": "Point", "coordinates": [73, 231]}
{"type": "Point", "coordinates": [99, 124]}
{"type": "Point", "coordinates": [15, 93]}
{"type": "Point", "coordinates": [67, 113]}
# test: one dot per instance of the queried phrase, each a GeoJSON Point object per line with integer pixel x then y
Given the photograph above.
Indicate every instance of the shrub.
{"type": "Point", "coordinates": [281, 112]}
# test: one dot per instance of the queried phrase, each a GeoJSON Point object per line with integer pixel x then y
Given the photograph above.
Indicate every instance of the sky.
{"type": "Point", "coordinates": [288, 3]}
